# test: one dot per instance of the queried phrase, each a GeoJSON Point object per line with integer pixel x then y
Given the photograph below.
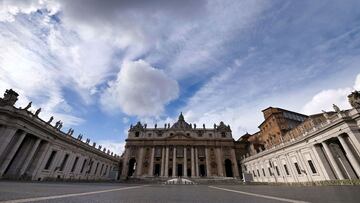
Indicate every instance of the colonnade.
{"type": "Point", "coordinates": [333, 158]}
{"type": "Point", "coordinates": [199, 164]}
{"type": "Point", "coordinates": [26, 156]}
{"type": "Point", "coordinates": [343, 168]}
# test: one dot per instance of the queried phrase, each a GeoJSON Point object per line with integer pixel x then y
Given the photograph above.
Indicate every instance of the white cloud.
{"type": "Point", "coordinates": [113, 145]}
{"type": "Point", "coordinates": [30, 68]}
{"type": "Point", "coordinates": [10, 8]}
{"type": "Point", "coordinates": [240, 119]}
{"type": "Point", "coordinates": [139, 90]}
{"type": "Point", "coordinates": [326, 98]}
{"type": "Point", "coordinates": [357, 83]}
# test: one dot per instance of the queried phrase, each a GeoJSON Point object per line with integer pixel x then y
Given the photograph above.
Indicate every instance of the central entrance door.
{"type": "Point", "coordinates": [157, 170]}
{"type": "Point", "coordinates": [228, 168]}
{"type": "Point", "coordinates": [202, 170]}
{"type": "Point", "coordinates": [132, 167]}
{"type": "Point", "coordinates": [180, 170]}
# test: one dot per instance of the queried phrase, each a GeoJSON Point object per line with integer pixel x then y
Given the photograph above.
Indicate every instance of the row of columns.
{"type": "Point", "coordinates": [22, 153]}
{"type": "Point", "coordinates": [194, 161]}
{"type": "Point", "coordinates": [349, 154]}
{"type": "Point", "coordinates": [13, 143]}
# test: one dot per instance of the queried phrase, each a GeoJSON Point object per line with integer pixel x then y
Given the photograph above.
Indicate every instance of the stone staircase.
{"type": "Point", "coordinates": [218, 181]}
{"type": "Point", "coordinates": [186, 181]}
{"type": "Point", "coordinates": [179, 181]}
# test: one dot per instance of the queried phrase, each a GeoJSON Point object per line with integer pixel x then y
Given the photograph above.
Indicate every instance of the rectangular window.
{"type": "Point", "coordinates": [270, 171]}
{"type": "Point", "coordinates": [158, 152]}
{"type": "Point", "coordinates": [201, 152]}
{"type": "Point", "coordinates": [277, 170]}
{"type": "Point", "coordinates": [106, 168]}
{"type": "Point", "coordinates": [258, 172]}
{"type": "Point", "coordinates": [286, 169]}
{"type": "Point", "coordinates": [83, 166]}
{"type": "Point", "coordinates": [74, 165]}
{"type": "Point", "coordinates": [312, 167]}
{"type": "Point", "coordinates": [50, 160]}
{"type": "Point", "coordinates": [63, 163]}
{"type": "Point", "coordinates": [254, 173]}
{"type": "Point", "coordinates": [96, 168]}
{"type": "Point", "coordinates": [179, 152]}
{"type": "Point", "coordinates": [297, 168]}
{"type": "Point", "coordinates": [263, 172]}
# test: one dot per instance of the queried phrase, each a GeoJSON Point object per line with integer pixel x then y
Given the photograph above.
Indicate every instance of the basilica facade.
{"type": "Point", "coordinates": [182, 149]}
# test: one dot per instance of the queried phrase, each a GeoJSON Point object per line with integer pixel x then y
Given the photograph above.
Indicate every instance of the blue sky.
{"type": "Point", "coordinates": [100, 66]}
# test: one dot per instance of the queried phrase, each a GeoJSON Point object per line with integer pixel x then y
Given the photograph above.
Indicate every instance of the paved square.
{"type": "Point", "coordinates": [17, 192]}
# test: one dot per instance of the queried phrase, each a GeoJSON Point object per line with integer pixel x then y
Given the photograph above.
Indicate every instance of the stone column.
{"type": "Point", "coordinates": [196, 162]}
{"type": "Point", "coordinates": [332, 161]}
{"type": "Point", "coordinates": [219, 162]}
{"type": "Point", "coordinates": [192, 163]}
{"type": "Point", "coordinates": [350, 155]}
{"type": "Point", "coordinates": [12, 153]}
{"type": "Point", "coordinates": [303, 163]}
{"type": "Point", "coordinates": [236, 168]}
{"type": "Point", "coordinates": [291, 169]}
{"type": "Point", "coordinates": [162, 173]}
{"type": "Point", "coordinates": [151, 167]}
{"type": "Point", "coordinates": [125, 169]}
{"type": "Point", "coordinates": [174, 162]}
{"type": "Point", "coordinates": [320, 162]}
{"type": "Point", "coordinates": [167, 162]}
{"type": "Point", "coordinates": [6, 136]}
{"type": "Point", "coordinates": [139, 163]}
{"type": "Point", "coordinates": [41, 161]}
{"type": "Point", "coordinates": [185, 163]}
{"type": "Point", "coordinates": [54, 168]}
{"type": "Point", "coordinates": [29, 156]}
{"type": "Point", "coordinates": [207, 160]}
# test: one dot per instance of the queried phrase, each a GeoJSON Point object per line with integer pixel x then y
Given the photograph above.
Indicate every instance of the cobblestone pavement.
{"type": "Point", "coordinates": [115, 192]}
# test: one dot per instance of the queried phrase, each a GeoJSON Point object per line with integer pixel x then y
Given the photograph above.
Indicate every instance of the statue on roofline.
{"type": "Point", "coordinates": [336, 108]}
{"type": "Point", "coordinates": [28, 106]}
{"type": "Point", "coordinates": [354, 99]}
{"type": "Point", "coordinates": [37, 112]}
{"type": "Point", "coordinates": [50, 120]}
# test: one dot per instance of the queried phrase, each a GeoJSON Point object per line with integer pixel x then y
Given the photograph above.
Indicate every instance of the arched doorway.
{"type": "Point", "coordinates": [228, 168]}
{"type": "Point", "coordinates": [157, 170]}
{"type": "Point", "coordinates": [132, 167]}
{"type": "Point", "coordinates": [179, 170]}
{"type": "Point", "coordinates": [202, 170]}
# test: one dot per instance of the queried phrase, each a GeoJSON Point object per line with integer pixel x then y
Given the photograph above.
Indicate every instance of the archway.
{"type": "Point", "coordinates": [132, 167]}
{"type": "Point", "coordinates": [157, 170]}
{"type": "Point", "coordinates": [228, 168]}
{"type": "Point", "coordinates": [202, 170]}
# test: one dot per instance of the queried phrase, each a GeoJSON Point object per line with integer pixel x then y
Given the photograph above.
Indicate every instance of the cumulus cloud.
{"type": "Point", "coordinates": [139, 90]}
{"type": "Point", "coordinates": [326, 98]}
